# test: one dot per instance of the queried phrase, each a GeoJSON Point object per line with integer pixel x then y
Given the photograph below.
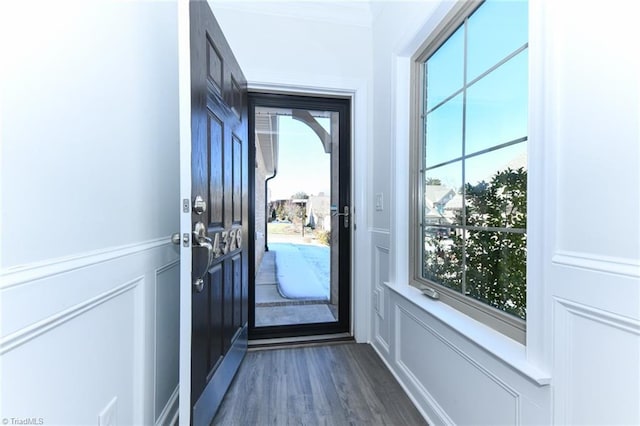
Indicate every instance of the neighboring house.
{"type": "Point", "coordinates": [318, 208]}
{"type": "Point", "coordinates": [437, 200]}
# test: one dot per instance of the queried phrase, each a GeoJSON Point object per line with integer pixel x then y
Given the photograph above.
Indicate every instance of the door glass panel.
{"type": "Point", "coordinates": [296, 270]}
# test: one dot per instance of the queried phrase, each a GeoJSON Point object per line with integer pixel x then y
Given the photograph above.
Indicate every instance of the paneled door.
{"type": "Point", "coordinates": [219, 214]}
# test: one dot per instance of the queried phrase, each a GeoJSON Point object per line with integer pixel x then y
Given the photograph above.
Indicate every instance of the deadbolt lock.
{"type": "Point", "coordinates": [199, 205]}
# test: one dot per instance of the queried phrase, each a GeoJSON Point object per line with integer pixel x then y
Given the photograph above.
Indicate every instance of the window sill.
{"type": "Point", "coordinates": [507, 350]}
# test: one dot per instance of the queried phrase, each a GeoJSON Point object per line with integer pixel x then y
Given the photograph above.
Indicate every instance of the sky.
{"type": "Point", "coordinates": [303, 166]}
{"type": "Point", "coordinates": [496, 105]}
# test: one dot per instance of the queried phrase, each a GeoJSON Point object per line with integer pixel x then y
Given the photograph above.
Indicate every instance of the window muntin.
{"type": "Point", "coordinates": [473, 170]}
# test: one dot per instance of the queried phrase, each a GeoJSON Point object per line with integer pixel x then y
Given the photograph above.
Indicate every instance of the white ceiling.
{"type": "Point", "coordinates": [347, 12]}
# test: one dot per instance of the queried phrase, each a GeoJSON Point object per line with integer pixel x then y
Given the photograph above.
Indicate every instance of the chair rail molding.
{"type": "Point", "coordinates": [16, 275]}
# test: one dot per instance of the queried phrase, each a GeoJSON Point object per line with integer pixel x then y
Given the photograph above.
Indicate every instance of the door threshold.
{"type": "Point", "coordinates": [299, 341]}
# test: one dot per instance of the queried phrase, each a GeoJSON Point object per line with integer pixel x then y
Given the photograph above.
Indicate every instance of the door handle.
{"type": "Point", "coordinates": [176, 239]}
{"type": "Point", "coordinates": [345, 213]}
{"type": "Point", "coordinates": [200, 239]}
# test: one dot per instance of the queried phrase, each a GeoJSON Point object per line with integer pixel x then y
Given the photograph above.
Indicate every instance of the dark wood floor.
{"type": "Point", "coordinates": [339, 384]}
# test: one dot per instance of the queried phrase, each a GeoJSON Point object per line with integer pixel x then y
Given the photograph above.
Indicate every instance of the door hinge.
{"type": "Point", "coordinates": [185, 205]}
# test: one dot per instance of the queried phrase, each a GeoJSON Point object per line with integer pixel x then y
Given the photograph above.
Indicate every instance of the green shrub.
{"type": "Point", "coordinates": [323, 237]}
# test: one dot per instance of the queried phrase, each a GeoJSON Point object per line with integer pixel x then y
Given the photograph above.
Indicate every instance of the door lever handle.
{"type": "Point", "coordinates": [345, 213]}
{"type": "Point", "coordinates": [200, 239]}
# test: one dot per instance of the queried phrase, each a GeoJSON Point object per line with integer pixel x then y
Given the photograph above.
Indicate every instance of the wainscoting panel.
{"type": "Point", "coordinates": [453, 380]}
{"type": "Point", "coordinates": [597, 354]}
{"type": "Point", "coordinates": [460, 387]}
{"type": "Point", "coordinates": [88, 358]}
{"type": "Point", "coordinates": [380, 304]}
{"type": "Point", "coordinates": [380, 294]}
{"type": "Point", "coordinates": [80, 333]}
{"type": "Point", "coordinates": [167, 322]}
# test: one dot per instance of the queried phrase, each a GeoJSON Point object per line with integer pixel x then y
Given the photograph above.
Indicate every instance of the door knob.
{"type": "Point", "coordinates": [175, 239]}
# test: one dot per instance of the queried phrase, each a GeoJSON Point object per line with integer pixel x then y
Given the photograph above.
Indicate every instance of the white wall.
{"type": "Point", "coordinates": [591, 126]}
{"type": "Point", "coordinates": [581, 363]}
{"type": "Point", "coordinates": [325, 48]}
{"type": "Point", "coordinates": [89, 193]}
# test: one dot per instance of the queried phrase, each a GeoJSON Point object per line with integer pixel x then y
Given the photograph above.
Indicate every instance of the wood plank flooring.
{"type": "Point", "coordinates": [339, 384]}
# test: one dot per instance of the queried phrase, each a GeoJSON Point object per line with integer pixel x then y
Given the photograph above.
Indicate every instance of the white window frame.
{"type": "Point", "coordinates": [503, 322]}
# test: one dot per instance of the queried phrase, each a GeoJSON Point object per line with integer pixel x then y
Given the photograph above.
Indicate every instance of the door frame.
{"type": "Point", "coordinates": [184, 112]}
{"type": "Point", "coordinates": [362, 230]}
{"type": "Point", "coordinates": [345, 309]}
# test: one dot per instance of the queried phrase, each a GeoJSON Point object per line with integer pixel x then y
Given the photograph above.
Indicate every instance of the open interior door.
{"type": "Point", "coordinates": [214, 221]}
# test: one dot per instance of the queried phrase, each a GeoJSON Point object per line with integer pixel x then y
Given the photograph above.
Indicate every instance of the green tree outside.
{"type": "Point", "coordinates": [494, 261]}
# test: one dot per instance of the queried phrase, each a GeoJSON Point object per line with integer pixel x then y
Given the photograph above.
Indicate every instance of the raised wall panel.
{"type": "Point", "coordinates": [167, 335]}
{"type": "Point", "coordinates": [597, 366]}
{"type": "Point", "coordinates": [380, 303]}
{"type": "Point", "coordinates": [82, 329]}
{"type": "Point", "coordinates": [47, 376]}
{"type": "Point", "coordinates": [460, 389]}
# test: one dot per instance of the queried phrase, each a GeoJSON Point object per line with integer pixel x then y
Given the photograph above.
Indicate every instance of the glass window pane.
{"type": "Point", "coordinates": [497, 270]}
{"type": "Point", "coordinates": [496, 188]}
{"type": "Point", "coordinates": [442, 260]}
{"type": "Point", "coordinates": [495, 30]}
{"type": "Point", "coordinates": [443, 195]}
{"type": "Point", "coordinates": [497, 106]}
{"type": "Point", "coordinates": [444, 133]}
{"type": "Point", "coordinates": [445, 69]}
{"type": "Point", "coordinates": [295, 251]}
